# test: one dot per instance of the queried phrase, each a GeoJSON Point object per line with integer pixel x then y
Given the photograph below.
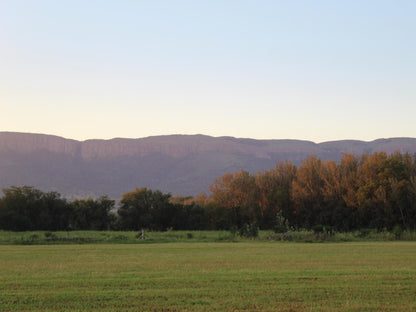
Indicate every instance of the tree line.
{"type": "Point", "coordinates": [375, 191]}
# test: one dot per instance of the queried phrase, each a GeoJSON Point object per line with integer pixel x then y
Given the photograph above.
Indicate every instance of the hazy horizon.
{"type": "Point", "coordinates": [317, 71]}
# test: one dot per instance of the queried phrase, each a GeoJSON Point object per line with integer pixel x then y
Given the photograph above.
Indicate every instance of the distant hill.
{"type": "Point", "coordinates": [178, 164]}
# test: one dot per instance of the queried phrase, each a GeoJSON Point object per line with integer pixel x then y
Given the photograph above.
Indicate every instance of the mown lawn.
{"type": "Point", "coordinates": [244, 276]}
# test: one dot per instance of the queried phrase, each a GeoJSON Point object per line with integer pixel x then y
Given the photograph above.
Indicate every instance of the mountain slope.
{"type": "Point", "coordinates": [179, 164]}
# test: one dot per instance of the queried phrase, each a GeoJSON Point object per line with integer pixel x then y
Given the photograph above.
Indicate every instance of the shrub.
{"type": "Point", "coordinates": [279, 228]}
{"type": "Point", "coordinates": [29, 240]}
{"type": "Point", "coordinates": [364, 233]}
{"type": "Point", "coordinates": [50, 236]}
{"type": "Point", "coordinates": [120, 237]}
{"type": "Point", "coordinates": [249, 231]}
{"type": "Point", "coordinates": [282, 224]}
{"type": "Point", "coordinates": [398, 232]}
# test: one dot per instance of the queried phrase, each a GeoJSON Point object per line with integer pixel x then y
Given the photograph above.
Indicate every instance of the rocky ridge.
{"type": "Point", "coordinates": [179, 164]}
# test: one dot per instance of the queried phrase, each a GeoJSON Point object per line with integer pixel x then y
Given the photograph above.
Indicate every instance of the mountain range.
{"type": "Point", "coordinates": [177, 164]}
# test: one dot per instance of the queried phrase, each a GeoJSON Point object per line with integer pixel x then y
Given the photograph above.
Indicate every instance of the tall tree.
{"type": "Point", "coordinates": [274, 188]}
{"type": "Point", "coordinates": [308, 195]}
{"type": "Point", "coordinates": [26, 208]}
{"type": "Point", "coordinates": [144, 208]}
{"type": "Point", "coordinates": [92, 214]}
{"type": "Point", "coordinates": [238, 193]}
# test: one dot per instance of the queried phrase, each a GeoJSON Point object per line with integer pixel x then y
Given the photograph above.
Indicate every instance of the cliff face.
{"type": "Point", "coordinates": [176, 146]}
{"type": "Point", "coordinates": [29, 143]}
{"type": "Point", "coordinates": [179, 164]}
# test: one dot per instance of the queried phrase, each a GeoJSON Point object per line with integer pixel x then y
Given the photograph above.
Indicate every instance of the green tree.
{"type": "Point", "coordinates": [92, 214]}
{"type": "Point", "coordinates": [26, 208]}
{"type": "Point", "coordinates": [144, 208]}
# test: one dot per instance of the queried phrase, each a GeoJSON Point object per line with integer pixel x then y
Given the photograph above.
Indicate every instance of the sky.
{"type": "Point", "coordinates": [298, 69]}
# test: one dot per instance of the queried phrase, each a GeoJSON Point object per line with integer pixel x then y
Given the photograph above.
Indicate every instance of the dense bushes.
{"type": "Point", "coordinates": [375, 191]}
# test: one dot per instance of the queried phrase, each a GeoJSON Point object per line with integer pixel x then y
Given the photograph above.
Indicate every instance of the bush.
{"type": "Point", "coordinates": [120, 237]}
{"type": "Point", "coordinates": [249, 231]}
{"type": "Point", "coordinates": [282, 224]}
{"type": "Point", "coordinates": [363, 233]}
{"type": "Point", "coordinates": [319, 228]}
{"type": "Point", "coordinates": [398, 231]}
{"type": "Point", "coordinates": [279, 228]}
{"type": "Point", "coordinates": [50, 236]}
{"type": "Point", "coordinates": [29, 240]}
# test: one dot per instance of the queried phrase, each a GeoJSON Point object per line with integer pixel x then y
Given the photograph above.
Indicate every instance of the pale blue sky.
{"type": "Point", "coordinates": [314, 70]}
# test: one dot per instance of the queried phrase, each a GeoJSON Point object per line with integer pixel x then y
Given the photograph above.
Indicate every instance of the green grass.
{"type": "Point", "coordinates": [106, 237]}
{"type": "Point", "coordinates": [244, 276]}
{"type": "Point", "coordinates": [123, 237]}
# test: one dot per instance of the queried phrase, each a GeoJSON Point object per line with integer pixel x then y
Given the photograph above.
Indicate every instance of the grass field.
{"type": "Point", "coordinates": [244, 276]}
